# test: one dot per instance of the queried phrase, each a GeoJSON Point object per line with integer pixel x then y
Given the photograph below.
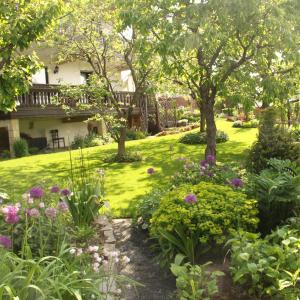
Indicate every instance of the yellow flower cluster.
{"type": "Point", "coordinates": [217, 211]}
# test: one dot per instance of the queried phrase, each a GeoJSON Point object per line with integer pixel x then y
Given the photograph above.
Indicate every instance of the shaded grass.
{"type": "Point", "coordinates": [125, 183]}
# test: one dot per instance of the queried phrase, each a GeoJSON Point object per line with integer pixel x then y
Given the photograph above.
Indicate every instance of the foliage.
{"type": "Point", "coordinates": [147, 205]}
{"type": "Point", "coordinates": [5, 154]}
{"type": "Point", "coordinates": [201, 138]}
{"type": "Point", "coordinates": [194, 281]}
{"type": "Point", "coordinates": [21, 24]}
{"type": "Point", "coordinates": [193, 173]}
{"type": "Point", "coordinates": [90, 140]}
{"type": "Point", "coordinates": [204, 44]}
{"type": "Point", "coordinates": [240, 124]}
{"type": "Point", "coordinates": [272, 142]}
{"type": "Point", "coordinates": [33, 150]}
{"type": "Point", "coordinates": [269, 266]}
{"type": "Point", "coordinates": [127, 158]}
{"type": "Point", "coordinates": [296, 134]}
{"type": "Point", "coordinates": [21, 148]}
{"type": "Point", "coordinates": [46, 278]}
{"type": "Point", "coordinates": [277, 190]}
{"type": "Point", "coordinates": [186, 227]}
{"type": "Point", "coordinates": [135, 135]}
{"type": "Point", "coordinates": [87, 192]}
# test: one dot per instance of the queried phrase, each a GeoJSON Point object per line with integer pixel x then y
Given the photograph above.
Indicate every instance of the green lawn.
{"type": "Point", "coordinates": [124, 182]}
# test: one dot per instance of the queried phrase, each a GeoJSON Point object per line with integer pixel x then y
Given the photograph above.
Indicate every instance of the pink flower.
{"type": "Point", "coordinates": [150, 171]}
{"type": "Point", "coordinates": [41, 205]}
{"type": "Point", "coordinates": [33, 213]}
{"type": "Point", "coordinates": [50, 212]}
{"type": "Point", "coordinates": [36, 192]}
{"type": "Point", "coordinates": [190, 198]}
{"type": "Point", "coordinates": [63, 206]}
{"type": "Point", "coordinates": [55, 189]}
{"type": "Point", "coordinates": [11, 214]}
{"type": "Point", "coordinates": [5, 241]}
{"type": "Point", "coordinates": [65, 192]}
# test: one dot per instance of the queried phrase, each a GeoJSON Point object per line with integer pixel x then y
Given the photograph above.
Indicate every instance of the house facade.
{"type": "Point", "coordinates": [45, 125]}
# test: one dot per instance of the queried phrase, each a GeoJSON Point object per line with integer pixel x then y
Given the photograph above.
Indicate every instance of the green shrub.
{"type": "Point", "coordinates": [189, 228]}
{"type": "Point", "coordinates": [127, 158]}
{"type": "Point", "coordinates": [34, 150]}
{"type": "Point", "coordinates": [5, 154]}
{"type": "Point", "coordinates": [20, 148]}
{"type": "Point", "coordinates": [277, 190]}
{"type": "Point", "coordinates": [134, 135]}
{"type": "Point", "coordinates": [237, 124]}
{"type": "Point", "coordinates": [270, 266]}
{"type": "Point", "coordinates": [90, 140]}
{"type": "Point", "coordinates": [147, 205]}
{"type": "Point", "coordinates": [200, 138]}
{"type": "Point", "coordinates": [273, 142]}
{"type": "Point", "coordinates": [194, 281]}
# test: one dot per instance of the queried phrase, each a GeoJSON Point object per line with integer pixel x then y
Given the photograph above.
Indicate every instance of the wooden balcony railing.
{"type": "Point", "coordinates": [40, 95]}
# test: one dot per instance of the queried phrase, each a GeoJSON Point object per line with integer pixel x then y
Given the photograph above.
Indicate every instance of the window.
{"type": "Point", "coordinates": [84, 76]}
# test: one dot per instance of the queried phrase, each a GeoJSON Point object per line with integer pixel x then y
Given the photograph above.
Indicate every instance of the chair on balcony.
{"type": "Point", "coordinates": [56, 139]}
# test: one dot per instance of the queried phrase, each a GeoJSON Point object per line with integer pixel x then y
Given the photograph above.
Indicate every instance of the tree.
{"type": "Point", "coordinates": [95, 32]}
{"type": "Point", "coordinates": [21, 23]}
{"type": "Point", "coordinates": [208, 41]}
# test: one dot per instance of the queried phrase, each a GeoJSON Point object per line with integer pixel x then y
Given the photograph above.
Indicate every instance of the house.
{"type": "Point", "coordinates": [45, 125]}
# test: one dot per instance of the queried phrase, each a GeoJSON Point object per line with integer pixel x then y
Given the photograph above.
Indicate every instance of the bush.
{"type": "Point", "coordinates": [193, 218]}
{"type": "Point", "coordinates": [269, 266]}
{"type": "Point", "coordinates": [194, 281]}
{"type": "Point", "coordinates": [134, 135]}
{"type": "Point", "coordinates": [273, 142]}
{"type": "Point", "coordinates": [200, 138]}
{"type": "Point", "coordinates": [240, 124]}
{"type": "Point", "coordinates": [127, 158]}
{"type": "Point", "coordinates": [147, 205]}
{"type": "Point", "coordinates": [194, 172]}
{"type": "Point", "coordinates": [90, 140]}
{"type": "Point", "coordinates": [34, 150]}
{"type": "Point", "coordinates": [5, 154]}
{"type": "Point", "coordinates": [20, 148]}
{"type": "Point", "coordinates": [277, 190]}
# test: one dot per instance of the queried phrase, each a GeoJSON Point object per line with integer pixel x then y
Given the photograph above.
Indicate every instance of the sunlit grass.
{"type": "Point", "coordinates": [124, 182]}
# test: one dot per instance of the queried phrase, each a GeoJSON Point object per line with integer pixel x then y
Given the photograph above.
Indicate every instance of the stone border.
{"type": "Point", "coordinates": [109, 286]}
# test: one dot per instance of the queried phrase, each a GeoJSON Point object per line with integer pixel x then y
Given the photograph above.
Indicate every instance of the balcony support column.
{"type": "Point", "coordinates": [13, 134]}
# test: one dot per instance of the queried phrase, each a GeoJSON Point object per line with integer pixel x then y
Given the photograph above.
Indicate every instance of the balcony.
{"type": "Point", "coordinates": [37, 103]}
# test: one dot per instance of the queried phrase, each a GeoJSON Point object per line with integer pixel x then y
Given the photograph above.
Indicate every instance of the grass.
{"type": "Point", "coordinates": [125, 183]}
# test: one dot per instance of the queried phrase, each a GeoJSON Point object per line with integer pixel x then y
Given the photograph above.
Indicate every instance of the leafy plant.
{"type": "Point", "coordinates": [205, 213]}
{"type": "Point", "coordinates": [90, 140]}
{"type": "Point", "coordinates": [127, 158]}
{"type": "Point", "coordinates": [46, 278]}
{"type": "Point", "coordinates": [277, 190]}
{"type": "Point", "coordinates": [269, 266]}
{"type": "Point", "coordinates": [273, 142]}
{"type": "Point", "coordinates": [147, 205]}
{"type": "Point", "coordinates": [20, 148]}
{"type": "Point", "coordinates": [87, 192]}
{"type": "Point", "coordinates": [200, 138]}
{"type": "Point", "coordinates": [135, 135]}
{"type": "Point", "coordinates": [194, 282]}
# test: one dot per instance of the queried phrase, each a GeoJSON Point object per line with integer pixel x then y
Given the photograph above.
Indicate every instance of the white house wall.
{"type": "Point", "coordinates": [36, 128]}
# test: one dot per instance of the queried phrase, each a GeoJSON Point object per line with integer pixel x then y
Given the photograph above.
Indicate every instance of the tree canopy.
{"type": "Point", "coordinates": [22, 22]}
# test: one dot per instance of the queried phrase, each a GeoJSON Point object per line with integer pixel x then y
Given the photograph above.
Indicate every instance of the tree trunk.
{"type": "Point", "coordinates": [211, 128]}
{"type": "Point", "coordinates": [202, 117]}
{"type": "Point", "coordinates": [121, 142]}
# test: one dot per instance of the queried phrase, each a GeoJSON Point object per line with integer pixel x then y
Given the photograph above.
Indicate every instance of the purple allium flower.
{"type": "Point", "coordinates": [190, 198]}
{"type": "Point", "coordinates": [50, 212]}
{"type": "Point", "coordinates": [33, 213]}
{"type": "Point", "coordinates": [54, 189]}
{"type": "Point", "coordinates": [65, 192]}
{"type": "Point", "coordinates": [236, 182]}
{"type": "Point", "coordinates": [11, 214]}
{"type": "Point", "coordinates": [62, 206]}
{"type": "Point", "coordinates": [209, 174]}
{"type": "Point", "coordinates": [150, 171]}
{"type": "Point", "coordinates": [5, 241]}
{"type": "Point", "coordinates": [203, 163]}
{"type": "Point", "coordinates": [210, 159]}
{"type": "Point", "coordinates": [36, 192]}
